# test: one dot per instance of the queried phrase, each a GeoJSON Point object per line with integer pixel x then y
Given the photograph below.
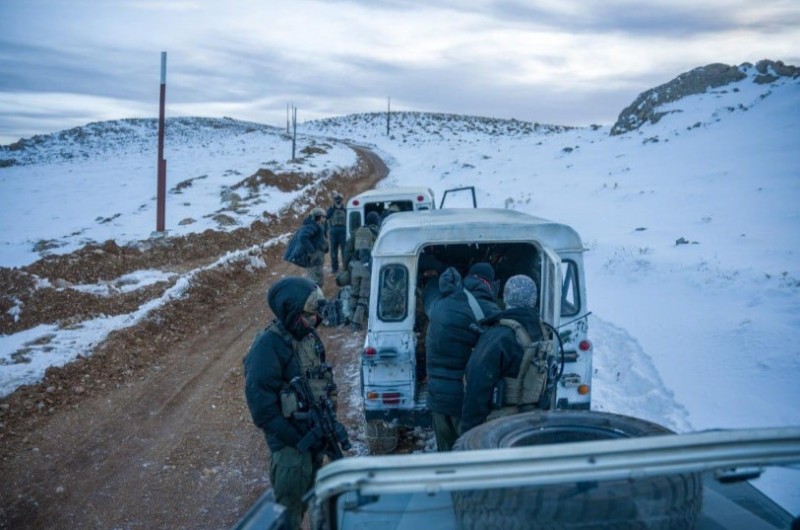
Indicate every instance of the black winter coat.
{"type": "Point", "coordinates": [497, 354]}
{"type": "Point", "coordinates": [309, 238]}
{"type": "Point", "coordinates": [271, 362]}
{"type": "Point", "coordinates": [452, 333]}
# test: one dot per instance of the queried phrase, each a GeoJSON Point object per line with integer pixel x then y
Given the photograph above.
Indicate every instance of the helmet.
{"type": "Point", "coordinates": [317, 212]}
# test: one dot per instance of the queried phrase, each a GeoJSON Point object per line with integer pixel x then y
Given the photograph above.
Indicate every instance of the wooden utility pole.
{"type": "Point", "coordinates": [388, 112]}
{"type": "Point", "coordinates": [161, 191]}
{"type": "Point", "coordinates": [294, 134]}
{"type": "Point", "coordinates": [287, 119]}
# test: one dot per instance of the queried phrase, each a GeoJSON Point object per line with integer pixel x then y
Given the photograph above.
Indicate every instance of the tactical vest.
{"type": "Point", "coordinates": [339, 217]}
{"type": "Point", "coordinates": [524, 391]}
{"type": "Point", "coordinates": [364, 239]}
{"type": "Point", "coordinates": [307, 352]}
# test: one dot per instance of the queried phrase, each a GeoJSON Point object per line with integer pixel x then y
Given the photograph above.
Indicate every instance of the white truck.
{"type": "Point", "coordinates": [393, 375]}
{"type": "Point", "coordinates": [385, 201]}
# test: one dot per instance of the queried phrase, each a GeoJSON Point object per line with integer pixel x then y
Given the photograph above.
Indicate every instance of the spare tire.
{"type": "Point", "coordinates": [661, 502]}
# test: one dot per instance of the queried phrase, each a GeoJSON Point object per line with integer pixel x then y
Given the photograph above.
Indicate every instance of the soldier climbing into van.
{"type": "Point", "coordinates": [308, 246]}
{"type": "Point", "coordinates": [454, 311]}
{"type": "Point", "coordinates": [504, 376]}
{"type": "Point", "coordinates": [337, 231]}
{"type": "Point", "coordinates": [360, 269]}
{"type": "Point", "coordinates": [287, 349]}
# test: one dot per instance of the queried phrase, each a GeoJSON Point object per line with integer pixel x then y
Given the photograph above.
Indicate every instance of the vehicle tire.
{"type": "Point", "coordinates": [662, 502]}
{"type": "Point", "coordinates": [381, 437]}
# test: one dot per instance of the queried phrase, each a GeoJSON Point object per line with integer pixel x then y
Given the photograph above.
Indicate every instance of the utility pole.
{"type": "Point", "coordinates": [388, 112]}
{"type": "Point", "coordinates": [287, 119]}
{"type": "Point", "coordinates": [294, 134]}
{"type": "Point", "coordinates": [162, 164]}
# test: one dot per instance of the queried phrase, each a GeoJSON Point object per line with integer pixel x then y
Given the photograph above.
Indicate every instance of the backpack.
{"type": "Point", "coordinates": [524, 392]}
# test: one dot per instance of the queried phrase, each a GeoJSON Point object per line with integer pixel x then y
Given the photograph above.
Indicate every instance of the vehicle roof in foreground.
{"type": "Point", "coordinates": [539, 465]}
{"type": "Point", "coordinates": [404, 232]}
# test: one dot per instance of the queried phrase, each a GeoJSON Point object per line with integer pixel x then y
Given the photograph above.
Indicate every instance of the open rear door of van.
{"type": "Point", "coordinates": [551, 287]}
{"type": "Point", "coordinates": [460, 198]}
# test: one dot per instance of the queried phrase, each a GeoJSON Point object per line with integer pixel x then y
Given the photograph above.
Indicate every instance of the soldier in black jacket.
{"type": "Point", "coordinates": [452, 333]}
{"type": "Point", "coordinates": [498, 353]}
{"type": "Point", "coordinates": [308, 246]}
{"type": "Point", "coordinates": [337, 231]}
{"type": "Point", "coordinates": [287, 348]}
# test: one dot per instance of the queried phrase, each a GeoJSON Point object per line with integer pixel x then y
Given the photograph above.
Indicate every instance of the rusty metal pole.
{"type": "Point", "coordinates": [162, 164]}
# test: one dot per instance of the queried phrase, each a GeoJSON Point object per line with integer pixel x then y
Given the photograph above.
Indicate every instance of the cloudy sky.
{"type": "Point", "coordinates": [66, 63]}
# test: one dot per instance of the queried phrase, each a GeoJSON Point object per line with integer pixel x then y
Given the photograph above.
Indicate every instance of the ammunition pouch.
{"type": "Point", "coordinates": [289, 402]}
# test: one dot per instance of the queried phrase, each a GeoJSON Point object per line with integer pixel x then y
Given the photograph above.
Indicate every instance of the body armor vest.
{"type": "Point", "coordinates": [524, 391]}
{"type": "Point", "coordinates": [308, 353]}
{"type": "Point", "coordinates": [364, 238]}
{"type": "Point", "coordinates": [339, 217]}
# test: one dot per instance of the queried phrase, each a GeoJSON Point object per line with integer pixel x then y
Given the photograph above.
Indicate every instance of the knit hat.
{"type": "Point", "coordinates": [373, 218]}
{"type": "Point", "coordinates": [482, 269]}
{"type": "Point", "coordinates": [520, 291]}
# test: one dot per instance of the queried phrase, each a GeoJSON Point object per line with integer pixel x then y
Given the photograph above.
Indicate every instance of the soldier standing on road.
{"type": "Point", "coordinates": [337, 230]}
{"type": "Point", "coordinates": [360, 266]}
{"type": "Point", "coordinates": [498, 353]}
{"type": "Point", "coordinates": [287, 348]}
{"type": "Point", "coordinates": [453, 310]}
{"type": "Point", "coordinates": [308, 246]}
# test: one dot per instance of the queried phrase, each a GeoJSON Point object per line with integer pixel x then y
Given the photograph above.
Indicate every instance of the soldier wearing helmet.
{"type": "Point", "coordinates": [308, 246]}
{"type": "Point", "coordinates": [360, 267]}
{"type": "Point", "coordinates": [337, 231]}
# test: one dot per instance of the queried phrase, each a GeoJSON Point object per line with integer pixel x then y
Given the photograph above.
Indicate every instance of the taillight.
{"type": "Point", "coordinates": [420, 198]}
{"type": "Point", "coordinates": [583, 390]}
{"type": "Point", "coordinates": [369, 351]}
{"type": "Point", "coordinates": [356, 202]}
{"type": "Point", "coordinates": [585, 345]}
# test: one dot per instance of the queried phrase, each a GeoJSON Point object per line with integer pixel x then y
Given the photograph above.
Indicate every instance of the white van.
{"type": "Point", "coordinates": [385, 201]}
{"type": "Point", "coordinates": [393, 358]}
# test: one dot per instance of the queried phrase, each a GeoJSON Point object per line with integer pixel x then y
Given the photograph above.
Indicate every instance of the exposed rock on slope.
{"type": "Point", "coordinates": [645, 108]}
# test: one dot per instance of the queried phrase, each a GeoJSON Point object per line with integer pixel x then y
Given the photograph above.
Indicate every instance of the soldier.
{"type": "Point", "coordinates": [494, 368]}
{"type": "Point", "coordinates": [360, 265]}
{"type": "Point", "coordinates": [308, 246]}
{"type": "Point", "coordinates": [287, 348]}
{"type": "Point", "coordinates": [454, 311]}
{"type": "Point", "coordinates": [337, 231]}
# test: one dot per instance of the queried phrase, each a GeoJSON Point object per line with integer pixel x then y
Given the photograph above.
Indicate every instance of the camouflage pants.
{"type": "Point", "coordinates": [445, 429]}
{"type": "Point", "coordinates": [292, 474]}
{"type": "Point", "coordinates": [359, 292]}
{"type": "Point", "coordinates": [314, 271]}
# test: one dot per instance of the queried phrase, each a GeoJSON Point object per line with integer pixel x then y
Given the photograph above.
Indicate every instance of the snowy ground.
{"type": "Point", "coordinates": [694, 336]}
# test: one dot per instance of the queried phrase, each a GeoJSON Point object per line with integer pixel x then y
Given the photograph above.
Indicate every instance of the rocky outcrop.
{"type": "Point", "coordinates": [645, 108]}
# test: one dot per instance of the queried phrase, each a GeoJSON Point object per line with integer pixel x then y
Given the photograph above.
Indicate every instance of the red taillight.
{"type": "Point", "coordinates": [356, 202]}
{"type": "Point", "coordinates": [391, 398]}
{"type": "Point", "coordinates": [369, 351]}
{"type": "Point", "coordinates": [585, 345]}
{"type": "Point", "coordinates": [420, 198]}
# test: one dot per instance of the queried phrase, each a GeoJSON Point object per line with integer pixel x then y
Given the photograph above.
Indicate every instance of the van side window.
{"type": "Point", "coordinates": [393, 293]}
{"type": "Point", "coordinates": [570, 303]}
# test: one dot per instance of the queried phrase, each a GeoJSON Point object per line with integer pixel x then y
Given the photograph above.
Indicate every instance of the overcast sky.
{"type": "Point", "coordinates": [65, 63]}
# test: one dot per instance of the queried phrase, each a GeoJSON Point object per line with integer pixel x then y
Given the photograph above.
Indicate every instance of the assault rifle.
{"type": "Point", "coordinates": [324, 426]}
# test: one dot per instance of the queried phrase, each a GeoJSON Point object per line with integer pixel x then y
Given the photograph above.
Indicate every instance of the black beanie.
{"type": "Point", "coordinates": [482, 269]}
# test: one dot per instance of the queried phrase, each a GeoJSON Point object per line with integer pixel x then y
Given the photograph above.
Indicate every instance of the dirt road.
{"type": "Point", "coordinates": [152, 430]}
